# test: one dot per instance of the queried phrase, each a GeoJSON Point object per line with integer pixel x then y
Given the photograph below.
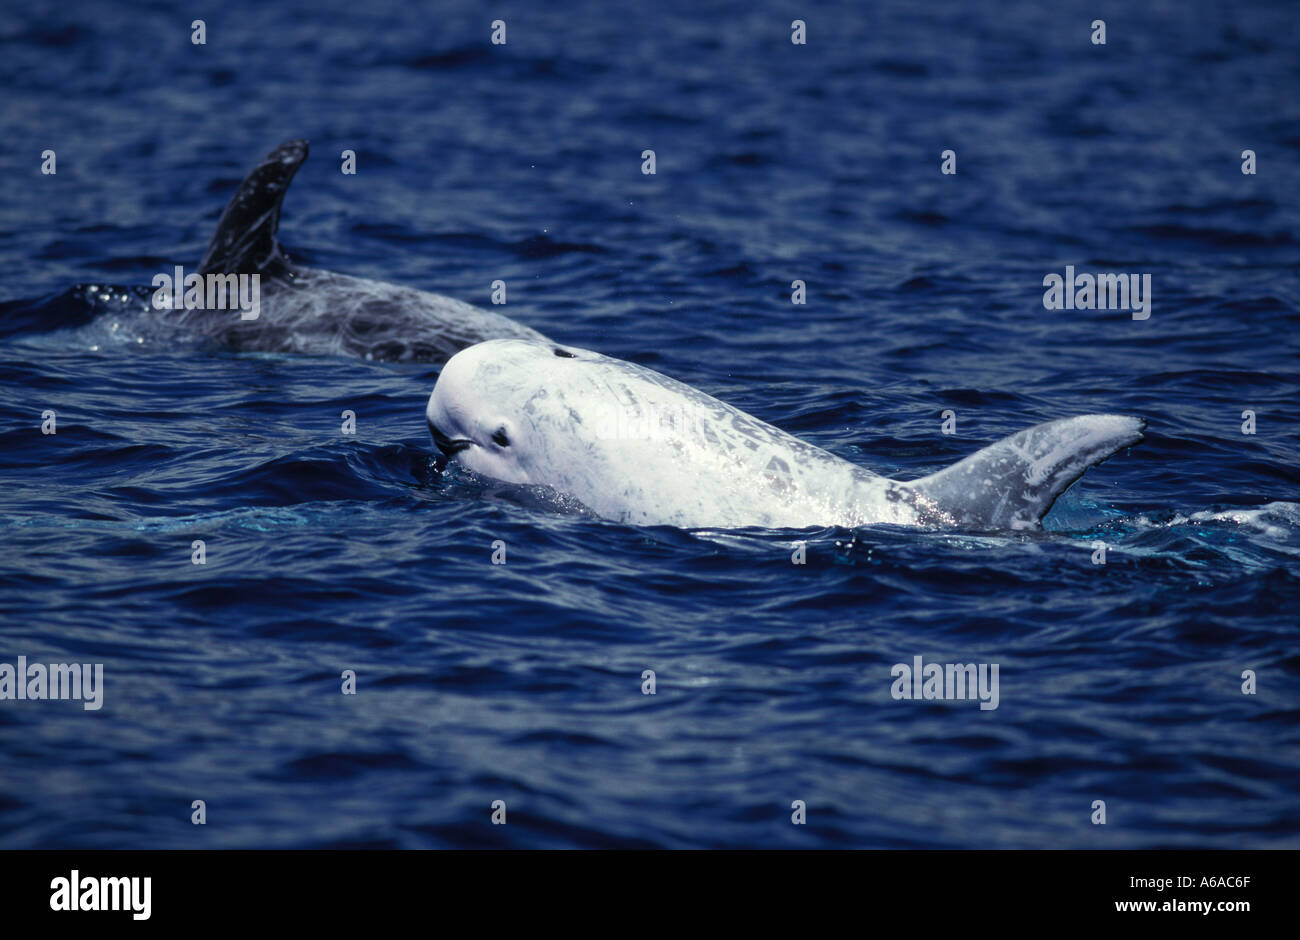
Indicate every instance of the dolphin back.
{"type": "Point", "coordinates": [1012, 484]}
{"type": "Point", "coordinates": [245, 242]}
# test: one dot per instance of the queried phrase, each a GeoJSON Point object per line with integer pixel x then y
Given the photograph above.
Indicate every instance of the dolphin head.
{"type": "Point", "coordinates": [491, 406]}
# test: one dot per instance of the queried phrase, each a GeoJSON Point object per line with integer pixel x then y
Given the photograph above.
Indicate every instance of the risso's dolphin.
{"type": "Point", "coordinates": [307, 310]}
{"type": "Point", "coordinates": [635, 446]}
{"type": "Point", "coordinates": [299, 309]}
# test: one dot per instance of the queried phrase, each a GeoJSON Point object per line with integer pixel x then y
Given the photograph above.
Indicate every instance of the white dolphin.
{"type": "Point", "coordinates": [635, 446]}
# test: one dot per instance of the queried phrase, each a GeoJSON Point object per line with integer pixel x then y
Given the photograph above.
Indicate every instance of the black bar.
{"type": "Point", "coordinates": [331, 890]}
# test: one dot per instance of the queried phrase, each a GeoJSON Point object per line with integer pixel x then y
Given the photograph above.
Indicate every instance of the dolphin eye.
{"type": "Point", "coordinates": [564, 353]}
{"type": "Point", "coordinates": [501, 438]}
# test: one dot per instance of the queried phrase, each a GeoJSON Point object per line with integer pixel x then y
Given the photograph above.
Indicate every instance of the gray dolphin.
{"type": "Point", "coordinates": [306, 310]}
{"type": "Point", "coordinates": [301, 310]}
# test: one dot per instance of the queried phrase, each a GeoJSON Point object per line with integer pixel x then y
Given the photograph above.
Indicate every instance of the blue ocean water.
{"type": "Point", "coordinates": [522, 682]}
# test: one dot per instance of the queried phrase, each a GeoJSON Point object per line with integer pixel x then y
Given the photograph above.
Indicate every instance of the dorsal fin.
{"type": "Point", "coordinates": [245, 239]}
{"type": "Point", "coordinates": [1013, 483]}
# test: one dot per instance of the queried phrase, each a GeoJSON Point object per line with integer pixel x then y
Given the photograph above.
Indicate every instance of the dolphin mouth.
{"type": "Point", "coordinates": [449, 446]}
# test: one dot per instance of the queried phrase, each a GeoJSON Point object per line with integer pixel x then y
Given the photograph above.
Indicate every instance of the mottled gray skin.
{"type": "Point", "coordinates": [323, 313]}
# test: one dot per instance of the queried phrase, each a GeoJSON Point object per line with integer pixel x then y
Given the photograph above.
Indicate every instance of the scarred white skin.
{"type": "Point", "coordinates": [638, 447]}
